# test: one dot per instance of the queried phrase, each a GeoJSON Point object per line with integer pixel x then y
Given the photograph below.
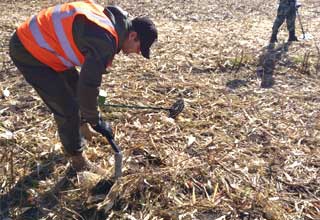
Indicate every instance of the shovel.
{"type": "Point", "coordinates": [117, 155]}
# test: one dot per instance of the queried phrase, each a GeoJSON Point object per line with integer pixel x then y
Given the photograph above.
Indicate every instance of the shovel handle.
{"type": "Point", "coordinates": [113, 144]}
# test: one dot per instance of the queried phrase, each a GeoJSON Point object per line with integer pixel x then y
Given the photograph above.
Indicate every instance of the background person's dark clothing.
{"type": "Point", "coordinates": [69, 94]}
{"type": "Point", "coordinates": [286, 11]}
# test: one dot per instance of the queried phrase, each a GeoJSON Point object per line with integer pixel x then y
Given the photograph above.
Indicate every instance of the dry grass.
{"type": "Point", "coordinates": [238, 151]}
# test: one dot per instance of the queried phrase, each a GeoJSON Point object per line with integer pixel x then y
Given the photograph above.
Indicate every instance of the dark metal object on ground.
{"type": "Point", "coordinates": [174, 110]}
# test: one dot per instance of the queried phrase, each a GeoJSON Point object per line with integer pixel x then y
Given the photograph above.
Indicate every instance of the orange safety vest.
{"type": "Point", "coordinates": [48, 35]}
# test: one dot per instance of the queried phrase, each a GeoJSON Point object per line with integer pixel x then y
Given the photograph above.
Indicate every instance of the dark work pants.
{"type": "Point", "coordinates": [286, 11]}
{"type": "Point", "coordinates": [57, 90]}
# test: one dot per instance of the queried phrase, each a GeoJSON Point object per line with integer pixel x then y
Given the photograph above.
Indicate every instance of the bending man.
{"type": "Point", "coordinates": [47, 47]}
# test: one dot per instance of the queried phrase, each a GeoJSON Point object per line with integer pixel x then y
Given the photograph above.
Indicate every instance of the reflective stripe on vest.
{"type": "Point", "coordinates": [48, 36]}
{"type": "Point", "coordinates": [35, 30]}
{"type": "Point", "coordinates": [57, 17]}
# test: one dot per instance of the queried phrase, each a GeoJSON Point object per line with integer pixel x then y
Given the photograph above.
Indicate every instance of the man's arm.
{"type": "Point", "coordinates": [98, 46]}
{"type": "Point", "coordinates": [88, 88]}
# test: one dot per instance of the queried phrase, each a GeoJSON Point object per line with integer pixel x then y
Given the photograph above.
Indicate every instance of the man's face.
{"type": "Point", "coordinates": [131, 44]}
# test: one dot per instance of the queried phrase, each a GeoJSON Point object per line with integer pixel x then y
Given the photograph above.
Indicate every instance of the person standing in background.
{"type": "Point", "coordinates": [286, 11]}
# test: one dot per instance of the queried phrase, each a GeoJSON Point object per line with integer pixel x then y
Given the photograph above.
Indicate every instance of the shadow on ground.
{"type": "Point", "coordinates": [268, 60]}
{"type": "Point", "coordinates": [20, 197]}
{"type": "Point", "coordinates": [236, 83]}
{"type": "Point", "coordinates": [20, 204]}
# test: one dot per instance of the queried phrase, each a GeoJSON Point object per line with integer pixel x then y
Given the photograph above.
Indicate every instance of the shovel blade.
{"type": "Point", "coordinates": [118, 165]}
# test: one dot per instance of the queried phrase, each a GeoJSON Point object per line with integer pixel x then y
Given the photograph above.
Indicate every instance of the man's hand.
{"type": "Point", "coordinates": [87, 131]}
{"type": "Point", "coordinates": [103, 128]}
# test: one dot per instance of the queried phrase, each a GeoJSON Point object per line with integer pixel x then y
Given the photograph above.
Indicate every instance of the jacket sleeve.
{"type": "Point", "coordinates": [98, 46]}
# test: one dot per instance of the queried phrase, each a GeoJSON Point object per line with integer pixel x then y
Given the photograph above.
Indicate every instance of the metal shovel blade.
{"type": "Point", "coordinates": [118, 165]}
{"type": "Point", "coordinates": [117, 155]}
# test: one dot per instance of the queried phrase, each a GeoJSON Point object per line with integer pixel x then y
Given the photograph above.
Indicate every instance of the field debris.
{"type": "Point", "coordinates": [246, 145]}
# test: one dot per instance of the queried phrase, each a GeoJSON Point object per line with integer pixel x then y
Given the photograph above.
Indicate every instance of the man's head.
{"type": "Point", "coordinates": [142, 35]}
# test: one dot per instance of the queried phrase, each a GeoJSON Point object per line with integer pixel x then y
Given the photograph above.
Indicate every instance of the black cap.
{"type": "Point", "coordinates": [147, 33]}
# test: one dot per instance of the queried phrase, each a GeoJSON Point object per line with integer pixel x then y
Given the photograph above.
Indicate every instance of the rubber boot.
{"type": "Point", "coordinates": [292, 36]}
{"type": "Point", "coordinates": [273, 38]}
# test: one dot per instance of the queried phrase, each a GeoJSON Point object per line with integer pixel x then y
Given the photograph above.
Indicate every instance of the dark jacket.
{"type": "Point", "coordinates": [98, 46]}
